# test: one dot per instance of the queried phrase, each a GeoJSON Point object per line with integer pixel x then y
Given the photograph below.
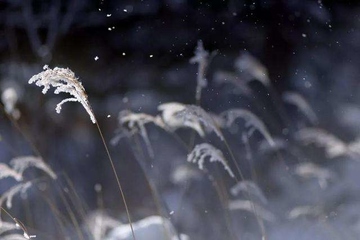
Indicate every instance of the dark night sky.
{"type": "Point", "coordinates": [168, 30]}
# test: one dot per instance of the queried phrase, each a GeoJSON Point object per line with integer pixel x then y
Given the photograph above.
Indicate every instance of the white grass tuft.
{"type": "Point", "coordinates": [9, 194]}
{"type": "Point", "coordinates": [152, 227]}
{"type": "Point", "coordinates": [251, 69]}
{"type": "Point", "coordinates": [99, 223]}
{"type": "Point", "coordinates": [183, 173]}
{"type": "Point", "coordinates": [301, 103]}
{"type": "Point", "coordinates": [177, 115]}
{"type": "Point", "coordinates": [20, 164]}
{"type": "Point", "coordinates": [9, 98]}
{"type": "Point", "coordinates": [252, 122]}
{"type": "Point", "coordinates": [304, 211]}
{"type": "Point", "coordinates": [204, 151]}
{"type": "Point", "coordinates": [279, 144]}
{"type": "Point", "coordinates": [252, 207]}
{"type": "Point", "coordinates": [173, 122]}
{"type": "Point", "coordinates": [192, 113]}
{"type": "Point", "coordinates": [310, 170]}
{"type": "Point", "coordinates": [334, 147]}
{"type": "Point", "coordinates": [249, 187]}
{"type": "Point", "coordinates": [14, 237]}
{"type": "Point", "coordinates": [228, 77]}
{"type": "Point", "coordinates": [7, 226]}
{"type": "Point", "coordinates": [131, 123]}
{"type": "Point", "coordinates": [6, 171]}
{"type": "Point", "coordinates": [64, 81]}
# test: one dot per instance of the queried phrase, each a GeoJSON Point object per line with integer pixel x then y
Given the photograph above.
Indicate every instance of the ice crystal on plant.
{"type": "Point", "coordinates": [204, 151]}
{"type": "Point", "coordinates": [195, 114]}
{"type": "Point", "coordinates": [64, 81]}
{"type": "Point", "coordinates": [169, 114]}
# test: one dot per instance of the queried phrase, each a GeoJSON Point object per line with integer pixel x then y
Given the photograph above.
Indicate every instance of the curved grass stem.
{"type": "Point", "coordinates": [117, 180]}
{"type": "Point", "coordinates": [154, 192]}
{"type": "Point", "coordinates": [259, 220]}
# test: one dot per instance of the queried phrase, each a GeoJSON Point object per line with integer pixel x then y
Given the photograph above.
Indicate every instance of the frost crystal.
{"type": "Point", "coordinates": [195, 114]}
{"type": "Point", "coordinates": [64, 81]}
{"type": "Point", "coordinates": [354, 148]}
{"type": "Point", "coordinates": [173, 121]}
{"type": "Point", "coordinates": [204, 151]}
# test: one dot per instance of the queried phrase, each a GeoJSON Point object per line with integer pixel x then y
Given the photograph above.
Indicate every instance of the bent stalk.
{"type": "Point", "coordinates": [117, 180]}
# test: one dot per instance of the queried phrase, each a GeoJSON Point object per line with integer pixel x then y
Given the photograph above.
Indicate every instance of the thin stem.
{"type": "Point", "coordinates": [58, 216]}
{"type": "Point", "coordinates": [18, 128]}
{"type": "Point", "coordinates": [221, 194]}
{"type": "Point", "coordinates": [224, 202]}
{"type": "Point", "coordinates": [259, 220]}
{"type": "Point", "coordinates": [72, 215]}
{"type": "Point", "coordinates": [117, 179]}
{"type": "Point", "coordinates": [19, 223]}
{"type": "Point", "coordinates": [37, 152]}
{"type": "Point", "coordinates": [78, 204]}
{"type": "Point", "coordinates": [155, 194]}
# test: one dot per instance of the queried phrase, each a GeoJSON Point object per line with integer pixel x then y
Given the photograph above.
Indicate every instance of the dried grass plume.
{"type": "Point", "coordinates": [64, 81]}
{"type": "Point", "coordinates": [204, 151]}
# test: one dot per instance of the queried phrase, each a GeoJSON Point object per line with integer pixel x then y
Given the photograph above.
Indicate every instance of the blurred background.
{"type": "Point", "coordinates": [135, 55]}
